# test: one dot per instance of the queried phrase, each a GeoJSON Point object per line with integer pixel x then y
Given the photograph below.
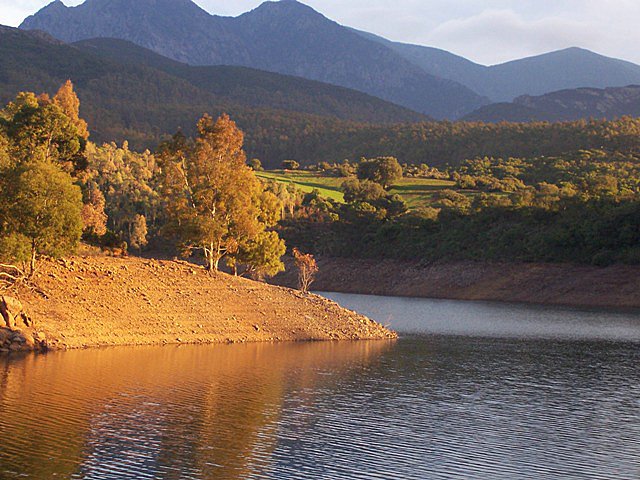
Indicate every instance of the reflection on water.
{"type": "Point", "coordinates": [190, 412]}
{"type": "Point", "coordinates": [427, 406]}
{"type": "Point", "coordinates": [495, 320]}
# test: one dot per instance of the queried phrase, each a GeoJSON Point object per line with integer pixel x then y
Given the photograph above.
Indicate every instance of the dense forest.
{"type": "Point", "coordinates": [197, 196]}
{"type": "Point", "coordinates": [435, 143]}
{"type": "Point", "coordinates": [573, 195]}
{"type": "Point", "coordinates": [577, 208]}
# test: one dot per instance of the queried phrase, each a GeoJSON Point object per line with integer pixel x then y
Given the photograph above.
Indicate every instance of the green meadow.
{"type": "Point", "coordinates": [415, 191]}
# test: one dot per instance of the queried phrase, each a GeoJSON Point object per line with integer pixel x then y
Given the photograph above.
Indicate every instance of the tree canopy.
{"type": "Point", "coordinates": [384, 171]}
{"type": "Point", "coordinates": [40, 203]}
{"type": "Point", "coordinates": [215, 203]}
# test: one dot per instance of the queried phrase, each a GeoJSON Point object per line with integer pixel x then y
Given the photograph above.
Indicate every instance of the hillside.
{"type": "Point", "coordinates": [247, 87]}
{"type": "Point", "coordinates": [565, 105]}
{"type": "Point", "coordinates": [584, 286]}
{"type": "Point", "coordinates": [143, 97]}
{"type": "Point", "coordinates": [565, 69]}
{"type": "Point", "coordinates": [163, 302]}
{"type": "Point", "coordinates": [285, 37]}
{"type": "Point", "coordinates": [505, 112]}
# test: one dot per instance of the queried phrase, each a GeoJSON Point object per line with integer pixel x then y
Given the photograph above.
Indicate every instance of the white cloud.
{"type": "Point", "coordinates": [496, 36]}
{"type": "Point", "coordinates": [486, 31]}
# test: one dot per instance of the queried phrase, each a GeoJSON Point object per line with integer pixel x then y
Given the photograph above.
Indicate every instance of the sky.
{"type": "Point", "coordinates": [485, 31]}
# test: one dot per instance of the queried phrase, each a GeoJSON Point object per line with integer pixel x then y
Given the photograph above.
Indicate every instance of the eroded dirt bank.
{"type": "Point", "coordinates": [100, 301]}
{"type": "Point", "coordinates": [585, 286]}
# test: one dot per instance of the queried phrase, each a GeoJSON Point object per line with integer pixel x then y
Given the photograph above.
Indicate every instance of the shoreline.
{"type": "Point", "coordinates": [99, 301]}
{"type": "Point", "coordinates": [615, 287]}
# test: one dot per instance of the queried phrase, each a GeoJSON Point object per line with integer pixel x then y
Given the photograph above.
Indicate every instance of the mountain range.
{"type": "Point", "coordinates": [128, 92]}
{"type": "Point", "coordinates": [561, 70]}
{"type": "Point", "coordinates": [291, 38]}
{"type": "Point", "coordinates": [285, 37]}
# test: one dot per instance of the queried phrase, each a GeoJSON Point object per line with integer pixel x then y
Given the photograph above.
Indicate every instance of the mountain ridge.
{"type": "Point", "coordinates": [283, 37]}
{"type": "Point", "coordinates": [568, 68]}
{"type": "Point", "coordinates": [291, 38]}
{"type": "Point", "coordinates": [144, 101]}
{"type": "Point", "coordinates": [565, 105]}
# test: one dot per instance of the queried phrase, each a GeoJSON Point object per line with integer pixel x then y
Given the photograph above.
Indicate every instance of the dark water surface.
{"type": "Point", "coordinates": [471, 391]}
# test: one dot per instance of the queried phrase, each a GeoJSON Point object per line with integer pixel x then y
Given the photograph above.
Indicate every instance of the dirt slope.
{"type": "Point", "coordinates": [100, 301]}
{"type": "Point", "coordinates": [617, 286]}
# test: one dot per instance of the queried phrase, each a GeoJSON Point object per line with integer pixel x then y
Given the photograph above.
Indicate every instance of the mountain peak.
{"type": "Point", "coordinates": [283, 8]}
{"type": "Point", "coordinates": [52, 8]}
{"type": "Point", "coordinates": [56, 4]}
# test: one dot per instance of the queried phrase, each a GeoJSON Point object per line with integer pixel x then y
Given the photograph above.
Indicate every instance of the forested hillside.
{"type": "Point", "coordinates": [141, 96]}
{"type": "Point", "coordinates": [129, 93]}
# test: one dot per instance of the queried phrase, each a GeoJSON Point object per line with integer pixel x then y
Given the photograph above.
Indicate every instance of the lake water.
{"type": "Point", "coordinates": [470, 391]}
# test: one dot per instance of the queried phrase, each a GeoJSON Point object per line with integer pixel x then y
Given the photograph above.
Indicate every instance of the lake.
{"type": "Point", "coordinates": [469, 391]}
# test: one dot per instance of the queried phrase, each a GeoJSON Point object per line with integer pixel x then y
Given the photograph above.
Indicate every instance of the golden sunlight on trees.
{"type": "Point", "coordinates": [94, 218]}
{"type": "Point", "coordinates": [215, 203]}
{"type": "Point", "coordinates": [38, 129]}
{"type": "Point", "coordinates": [68, 101]}
{"type": "Point", "coordinates": [40, 204]}
{"type": "Point", "coordinates": [384, 171]}
{"type": "Point", "coordinates": [43, 216]}
{"type": "Point", "coordinates": [138, 235]}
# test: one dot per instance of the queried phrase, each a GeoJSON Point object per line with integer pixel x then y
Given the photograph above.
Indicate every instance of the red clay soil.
{"type": "Point", "coordinates": [100, 301]}
{"type": "Point", "coordinates": [553, 284]}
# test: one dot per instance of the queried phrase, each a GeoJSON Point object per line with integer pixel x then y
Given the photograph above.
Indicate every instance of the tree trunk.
{"type": "Point", "coordinates": [32, 265]}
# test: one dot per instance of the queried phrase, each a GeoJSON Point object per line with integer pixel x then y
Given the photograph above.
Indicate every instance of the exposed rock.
{"type": "Point", "coordinates": [11, 310]}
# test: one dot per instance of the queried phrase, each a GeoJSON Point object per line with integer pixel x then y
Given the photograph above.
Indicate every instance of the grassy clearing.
{"type": "Point", "coordinates": [415, 191]}
{"type": "Point", "coordinates": [329, 187]}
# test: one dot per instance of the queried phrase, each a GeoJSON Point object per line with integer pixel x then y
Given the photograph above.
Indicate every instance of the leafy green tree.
{"type": "Point", "coordinates": [39, 129]}
{"type": "Point", "coordinates": [262, 255]}
{"type": "Point", "coordinates": [290, 165]}
{"type": "Point", "coordinates": [44, 213]}
{"type": "Point", "coordinates": [383, 170]}
{"type": "Point", "coordinates": [362, 191]}
{"type": "Point", "coordinates": [255, 164]}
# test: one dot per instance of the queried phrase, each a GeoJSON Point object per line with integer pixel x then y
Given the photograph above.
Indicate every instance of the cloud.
{"type": "Point", "coordinates": [496, 36]}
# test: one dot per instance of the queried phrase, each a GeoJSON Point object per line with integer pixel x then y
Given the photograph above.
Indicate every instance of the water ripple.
{"type": "Point", "coordinates": [426, 407]}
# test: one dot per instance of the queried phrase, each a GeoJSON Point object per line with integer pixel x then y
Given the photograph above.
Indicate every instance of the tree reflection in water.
{"type": "Point", "coordinates": [171, 412]}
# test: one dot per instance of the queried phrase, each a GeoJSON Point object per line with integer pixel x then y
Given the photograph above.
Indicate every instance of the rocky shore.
{"type": "Point", "coordinates": [95, 301]}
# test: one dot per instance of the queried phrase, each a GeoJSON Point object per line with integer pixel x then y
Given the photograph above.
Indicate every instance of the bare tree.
{"type": "Point", "coordinates": [307, 269]}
